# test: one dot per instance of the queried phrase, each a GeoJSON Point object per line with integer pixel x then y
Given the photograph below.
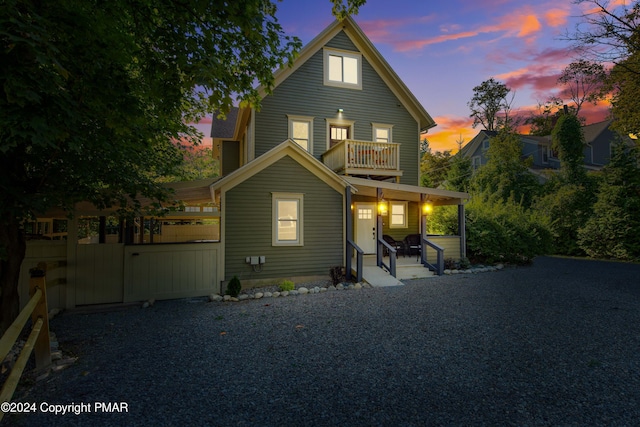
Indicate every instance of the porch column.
{"type": "Point", "coordinates": [423, 229]}
{"type": "Point", "coordinates": [379, 249]}
{"type": "Point", "coordinates": [348, 221]}
{"type": "Point", "coordinates": [462, 231]}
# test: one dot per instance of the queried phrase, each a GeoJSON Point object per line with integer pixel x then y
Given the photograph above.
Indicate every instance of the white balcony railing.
{"type": "Point", "coordinates": [351, 157]}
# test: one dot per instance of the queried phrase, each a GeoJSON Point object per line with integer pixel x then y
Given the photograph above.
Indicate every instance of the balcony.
{"type": "Point", "coordinates": [379, 160]}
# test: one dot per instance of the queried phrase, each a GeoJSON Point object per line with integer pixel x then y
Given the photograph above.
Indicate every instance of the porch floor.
{"type": "Point", "coordinates": [406, 268]}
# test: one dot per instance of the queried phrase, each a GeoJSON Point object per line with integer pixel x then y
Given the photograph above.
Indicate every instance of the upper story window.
{"type": "Point", "coordinates": [485, 144]}
{"type": "Point", "coordinates": [343, 69]}
{"type": "Point", "coordinates": [381, 133]}
{"type": "Point", "coordinates": [338, 130]}
{"type": "Point", "coordinates": [301, 131]}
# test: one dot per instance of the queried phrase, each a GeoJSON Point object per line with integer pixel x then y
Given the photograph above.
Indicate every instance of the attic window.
{"type": "Point", "coordinates": [342, 69]}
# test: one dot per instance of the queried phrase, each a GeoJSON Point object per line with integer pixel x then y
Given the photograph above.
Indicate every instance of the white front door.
{"type": "Point", "coordinates": [365, 222]}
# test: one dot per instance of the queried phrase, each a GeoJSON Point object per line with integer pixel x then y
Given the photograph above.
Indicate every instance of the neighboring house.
{"type": "Point", "coordinates": [325, 169]}
{"type": "Point", "coordinates": [597, 151]}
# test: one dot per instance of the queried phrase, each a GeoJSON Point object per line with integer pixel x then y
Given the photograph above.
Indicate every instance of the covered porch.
{"type": "Point", "coordinates": [388, 221]}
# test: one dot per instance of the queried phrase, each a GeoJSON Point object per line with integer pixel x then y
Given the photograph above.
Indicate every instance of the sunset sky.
{"type": "Point", "coordinates": [441, 49]}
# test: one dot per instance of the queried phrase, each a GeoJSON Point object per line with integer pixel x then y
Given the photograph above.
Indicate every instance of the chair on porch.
{"type": "Point", "coordinates": [412, 244]}
{"type": "Point", "coordinates": [398, 246]}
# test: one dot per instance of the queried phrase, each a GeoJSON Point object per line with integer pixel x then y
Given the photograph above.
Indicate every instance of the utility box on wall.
{"type": "Point", "coordinates": [255, 260]}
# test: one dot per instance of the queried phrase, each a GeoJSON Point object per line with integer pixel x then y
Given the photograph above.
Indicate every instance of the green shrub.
{"type": "Point", "coordinates": [499, 231]}
{"type": "Point", "coordinates": [234, 287]}
{"type": "Point", "coordinates": [287, 285]}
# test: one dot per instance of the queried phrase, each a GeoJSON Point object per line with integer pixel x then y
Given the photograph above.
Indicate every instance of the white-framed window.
{"type": "Point", "coordinates": [381, 132]}
{"type": "Point", "coordinates": [192, 208]}
{"type": "Point", "coordinates": [485, 144]}
{"type": "Point", "coordinates": [342, 68]}
{"type": "Point", "coordinates": [301, 131]}
{"type": "Point", "coordinates": [287, 213]}
{"type": "Point", "coordinates": [398, 215]}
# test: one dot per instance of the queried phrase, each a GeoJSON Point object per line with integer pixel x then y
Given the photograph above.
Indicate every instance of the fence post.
{"type": "Point", "coordinates": [42, 347]}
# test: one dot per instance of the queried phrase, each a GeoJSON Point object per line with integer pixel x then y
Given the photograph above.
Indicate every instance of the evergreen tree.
{"type": "Point", "coordinates": [613, 229]}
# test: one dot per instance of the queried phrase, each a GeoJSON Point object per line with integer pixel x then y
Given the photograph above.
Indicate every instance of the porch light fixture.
{"type": "Point", "coordinates": [340, 110]}
{"type": "Point", "coordinates": [427, 208]}
{"type": "Point", "coordinates": [383, 207]}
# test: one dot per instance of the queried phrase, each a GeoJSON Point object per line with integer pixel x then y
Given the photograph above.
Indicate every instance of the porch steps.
{"type": "Point", "coordinates": [378, 277]}
{"type": "Point", "coordinates": [416, 271]}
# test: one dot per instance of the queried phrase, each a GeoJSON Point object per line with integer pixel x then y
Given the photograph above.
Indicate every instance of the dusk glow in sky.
{"type": "Point", "coordinates": [442, 49]}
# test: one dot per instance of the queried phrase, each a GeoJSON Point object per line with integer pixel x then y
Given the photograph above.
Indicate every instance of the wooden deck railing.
{"type": "Point", "coordinates": [38, 341]}
{"type": "Point", "coordinates": [365, 155]}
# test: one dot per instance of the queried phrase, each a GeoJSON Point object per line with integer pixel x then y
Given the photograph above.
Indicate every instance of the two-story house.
{"type": "Point", "coordinates": [332, 149]}
{"type": "Point", "coordinates": [598, 138]}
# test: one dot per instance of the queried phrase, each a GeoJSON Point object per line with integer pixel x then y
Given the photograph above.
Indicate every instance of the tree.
{"type": "Point", "coordinates": [609, 33]}
{"type": "Point", "coordinates": [543, 122]}
{"type": "Point", "coordinates": [584, 81]}
{"type": "Point", "coordinates": [625, 103]}
{"type": "Point", "coordinates": [434, 168]}
{"type": "Point", "coordinates": [198, 164]}
{"type": "Point", "coordinates": [569, 195]}
{"type": "Point", "coordinates": [459, 175]}
{"type": "Point", "coordinates": [490, 106]}
{"type": "Point", "coordinates": [95, 92]}
{"type": "Point", "coordinates": [568, 141]}
{"type": "Point", "coordinates": [613, 228]}
{"type": "Point", "coordinates": [506, 174]}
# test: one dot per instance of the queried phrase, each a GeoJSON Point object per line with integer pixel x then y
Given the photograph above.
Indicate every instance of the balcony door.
{"type": "Point", "coordinates": [338, 133]}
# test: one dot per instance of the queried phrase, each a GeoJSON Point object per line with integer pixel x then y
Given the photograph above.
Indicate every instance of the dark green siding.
{"type": "Point", "coordinates": [248, 224]}
{"type": "Point", "coordinates": [304, 93]}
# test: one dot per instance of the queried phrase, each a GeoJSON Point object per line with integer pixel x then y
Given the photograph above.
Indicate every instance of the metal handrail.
{"type": "Point", "coordinates": [439, 267]}
{"type": "Point", "coordinates": [359, 261]}
{"type": "Point", "coordinates": [392, 257]}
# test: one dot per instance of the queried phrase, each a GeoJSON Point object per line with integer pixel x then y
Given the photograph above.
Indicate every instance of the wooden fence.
{"type": "Point", "coordinates": [38, 341]}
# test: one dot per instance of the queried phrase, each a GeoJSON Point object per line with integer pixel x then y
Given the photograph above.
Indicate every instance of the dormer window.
{"type": "Point", "coordinates": [343, 69]}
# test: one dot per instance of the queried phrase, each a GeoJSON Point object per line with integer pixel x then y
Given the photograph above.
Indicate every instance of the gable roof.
{"type": "Point", "coordinates": [473, 145]}
{"type": "Point", "coordinates": [225, 128]}
{"type": "Point", "coordinates": [592, 131]}
{"type": "Point", "coordinates": [373, 56]}
{"type": "Point", "coordinates": [286, 148]}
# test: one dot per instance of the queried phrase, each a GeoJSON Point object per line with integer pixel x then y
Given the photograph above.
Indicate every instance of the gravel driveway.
{"type": "Point", "coordinates": [557, 343]}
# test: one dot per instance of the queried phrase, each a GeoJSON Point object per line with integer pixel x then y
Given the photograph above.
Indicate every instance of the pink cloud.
{"type": "Point", "coordinates": [556, 17]}
{"type": "Point", "coordinates": [519, 24]}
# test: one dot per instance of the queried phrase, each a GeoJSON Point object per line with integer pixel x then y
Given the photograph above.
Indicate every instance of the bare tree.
{"type": "Point", "coordinates": [608, 32]}
{"type": "Point", "coordinates": [584, 81]}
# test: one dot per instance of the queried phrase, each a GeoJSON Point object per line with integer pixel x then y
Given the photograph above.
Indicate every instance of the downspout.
{"type": "Point", "coordinates": [348, 231]}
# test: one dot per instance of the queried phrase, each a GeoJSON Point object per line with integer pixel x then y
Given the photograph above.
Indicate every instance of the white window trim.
{"type": "Point", "coordinates": [343, 53]}
{"type": "Point", "coordinates": [405, 207]}
{"type": "Point", "coordinates": [375, 126]}
{"type": "Point", "coordinates": [275, 197]}
{"type": "Point", "coordinates": [338, 122]}
{"type": "Point", "coordinates": [293, 118]}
